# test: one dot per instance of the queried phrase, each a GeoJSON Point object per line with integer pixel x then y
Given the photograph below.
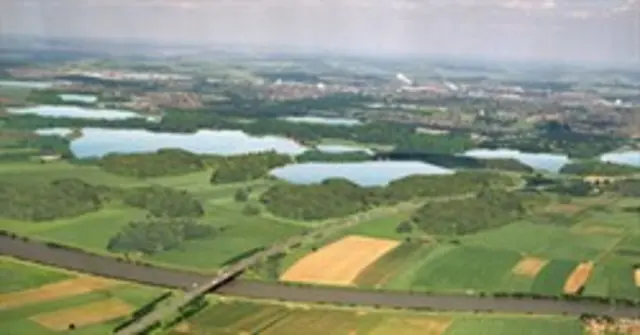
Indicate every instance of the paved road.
{"type": "Point", "coordinates": [110, 267]}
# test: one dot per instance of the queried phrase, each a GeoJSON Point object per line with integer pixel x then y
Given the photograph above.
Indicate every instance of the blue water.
{"type": "Point", "coordinates": [624, 157]}
{"type": "Point", "coordinates": [76, 112]}
{"type": "Point", "coordinates": [26, 84]}
{"type": "Point", "coordinates": [323, 120]}
{"type": "Point", "coordinates": [86, 98]}
{"type": "Point", "coordinates": [539, 161]}
{"type": "Point", "coordinates": [362, 173]}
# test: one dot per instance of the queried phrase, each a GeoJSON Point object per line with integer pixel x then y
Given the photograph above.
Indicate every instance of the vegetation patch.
{"type": "Point", "coordinates": [339, 197]}
{"type": "Point", "coordinates": [339, 263]}
{"type": "Point", "coordinates": [158, 235]}
{"type": "Point", "coordinates": [164, 162]}
{"type": "Point", "coordinates": [339, 157]}
{"type": "Point", "coordinates": [66, 288]}
{"type": "Point", "coordinates": [455, 161]}
{"type": "Point", "coordinates": [488, 209]}
{"type": "Point", "coordinates": [246, 167]}
{"type": "Point", "coordinates": [76, 317]}
{"type": "Point", "coordinates": [163, 201]}
{"type": "Point", "coordinates": [47, 201]}
{"type": "Point", "coordinates": [551, 280]}
{"type": "Point", "coordinates": [598, 168]}
{"type": "Point", "coordinates": [529, 266]}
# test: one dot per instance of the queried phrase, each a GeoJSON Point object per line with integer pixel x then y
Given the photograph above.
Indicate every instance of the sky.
{"type": "Point", "coordinates": [562, 30]}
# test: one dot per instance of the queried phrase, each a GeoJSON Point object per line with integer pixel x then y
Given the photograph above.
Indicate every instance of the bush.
{"type": "Point", "coordinates": [155, 236]}
{"type": "Point", "coordinates": [48, 201]}
{"type": "Point", "coordinates": [247, 167]}
{"type": "Point", "coordinates": [241, 195]}
{"type": "Point", "coordinates": [163, 201]}
{"type": "Point", "coordinates": [164, 162]}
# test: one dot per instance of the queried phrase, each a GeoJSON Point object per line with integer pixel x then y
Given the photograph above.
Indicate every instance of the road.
{"type": "Point", "coordinates": [110, 267]}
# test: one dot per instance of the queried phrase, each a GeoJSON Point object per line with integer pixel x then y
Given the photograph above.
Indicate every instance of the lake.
{"type": "Point", "coordinates": [323, 120]}
{"type": "Point", "coordinates": [76, 112]}
{"type": "Point", "coordinates": [97, 142]}
{"type": "Point", "coordinates": [338, 148]}
{"type": "Point", "coordinates": [26, 84]}
{"type": "Point", "coordinates": [623, 157]}
{"type": "Point", "coordinates": [362, 173]}
{"type": "Point", "coordinates": [85, 98]}
{"type": "Point", "coordinates": [539, 161]}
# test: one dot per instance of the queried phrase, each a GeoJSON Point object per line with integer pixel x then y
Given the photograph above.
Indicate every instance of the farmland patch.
{"type": "Point", "coordinates": [529, 266]}
{"type": "Point", "coordinates": [18, 276]}
{"type": "Point", "coordinates": [576, 281]}
{"type": "Point", "coordinates": [93, 313]}
{"type": "Point", "coordinates": [412, 326]}
{"type": "Point", "coordinates": [340, 262]}
{"type": "Point", "coordinates": [54, 291]}
{"type": "Point", "coordinates": [551, 280]}
{"type": "Point", "coordinates": [466, 268]}
{"type": "Point", "coordinates": [379, 273]}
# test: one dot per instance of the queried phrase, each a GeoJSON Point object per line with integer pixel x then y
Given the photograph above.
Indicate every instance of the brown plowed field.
{"type": "Point", "coordinates": [578, 278]}
{"type": "Point", "coordinates": [339, 263]}
{"type": "Point", "coordinates": [529, 266]}
{"type": "Point", "coordinates": [66, 288]}
{"type": "Point", "coordinates": [97, 312]}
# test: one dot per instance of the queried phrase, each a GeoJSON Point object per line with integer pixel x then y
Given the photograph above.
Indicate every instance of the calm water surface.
{"type": "Point", "coordinates": [539, 161]}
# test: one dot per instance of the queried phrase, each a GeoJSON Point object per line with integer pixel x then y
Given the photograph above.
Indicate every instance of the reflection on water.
{"type": "Point", "coordinates": [540, 161]}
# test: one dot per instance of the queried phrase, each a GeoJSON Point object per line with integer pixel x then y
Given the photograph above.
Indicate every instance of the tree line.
{"type": "Point", "coordinates": [339, 197]}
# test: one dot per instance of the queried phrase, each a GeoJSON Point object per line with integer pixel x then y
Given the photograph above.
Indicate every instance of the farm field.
{"type": "Point", "coordinates": [59, 298]}
{"type": "Point", "coordinates": [339, 263]}
{"type": "Point", "coordinates": [251, 317]}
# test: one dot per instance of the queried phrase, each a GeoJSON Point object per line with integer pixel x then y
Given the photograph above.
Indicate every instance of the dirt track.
{"type": "Point", "coordinates": [110, 267]}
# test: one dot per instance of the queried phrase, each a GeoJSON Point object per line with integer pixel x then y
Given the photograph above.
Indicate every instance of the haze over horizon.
{"type": "Point", "coordinates": [601, 31]}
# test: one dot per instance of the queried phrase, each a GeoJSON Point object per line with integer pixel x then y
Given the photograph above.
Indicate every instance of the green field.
{"type": "Point", "coordinates": [461, 269]}
{"type": "Point", "coordinates": [552, 277]}
{"type": "Point", "coordinates": [18, 276]}
{"type": "Point", "coordinates": [18, 320]}
{"type": "Point", "coordinates": [247, 317]}
{"type": "Point", "coordinates": [392, 264]}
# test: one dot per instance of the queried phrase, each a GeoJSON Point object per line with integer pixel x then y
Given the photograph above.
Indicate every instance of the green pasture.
{"type": "Point", "coordinates": [18, 276]}
{"type": "Point", "coordinates": [613, 277]}
{"type": "Point", "coordinates": [461, 269]}
{"type": "Point", "coordinates": [513, 326]}
{"type": "Point", "coordinates": [392, 264]}
{"type": "Point", "coordinates": [550, 280]}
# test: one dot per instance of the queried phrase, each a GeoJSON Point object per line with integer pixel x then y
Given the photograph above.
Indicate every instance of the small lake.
{"type": "Point", "coordinates": [85, 98]}
{"type": "Point", "coordinates": [362, 173]}
{"type": "Point", "coordinates": [97, 142]}
{"type": "Point", "coordinates": [539, 161]}
{"type": "Point", "coordinates": [76, 112]}
{"type": "Point", "coordinates": [338, 149]}
{"type": "Point", "coordinates": [332, 121]}
{"type": "Point", "coordinates": [26, 84]}
{"type": "Point", "coordinates": [623, 157]}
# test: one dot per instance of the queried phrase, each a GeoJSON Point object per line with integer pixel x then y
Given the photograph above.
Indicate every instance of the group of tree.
{"type": "Point", "coordinates": [247, 167]}
{"type": "Point", "coordinates": [560, 139]}
{"type": "Point", "coordinates": [489, 208]}
{"type": "Point", "coordinates": [626, 187]}
{"type": "Point", "coordinates": [163, 201]}
{"type": "Point", "coordinates": [340, 197]}
{"type": "Point", "coordinates": [41, 201]}
{"type": "Point", "coordinates": [338, 157]}
{"type": "Point", "coordinates": [164, 162]}
{"type": "Point", "coordinates": [159, 234]}
{"type": "Point", "coordinates": [454, 161]}
{"type": "Point", "coordinates": [598, 168]}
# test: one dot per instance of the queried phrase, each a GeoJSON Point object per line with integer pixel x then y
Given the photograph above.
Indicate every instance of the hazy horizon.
{"type": "Point", "coordinates": [603, 31]}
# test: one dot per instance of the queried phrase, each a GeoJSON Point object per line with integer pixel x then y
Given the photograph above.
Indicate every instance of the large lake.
{"type": "Point", "coordinates": [375, 173]}
{"type": "Point", "coordinates": [333, 121]}
{"type": "Point", "coordinates": [624, 157]}
{"type": "Point", "coordinates": [97, 142]}
{"type": "Point", "coordinates": [76, 112]}
{"type": "Point", "coordinates": [539, 161]}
